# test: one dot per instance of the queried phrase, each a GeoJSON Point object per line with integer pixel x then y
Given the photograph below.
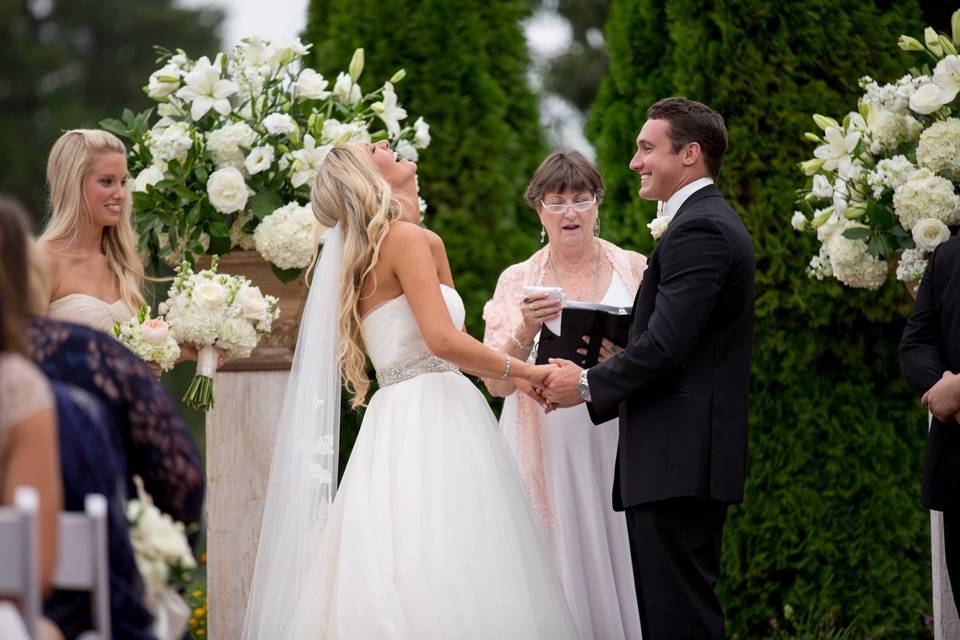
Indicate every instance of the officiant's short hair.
{"type": "Point", "coordinates": [692, 121]}
{"type": "Point", "coordinates": [560, 171]}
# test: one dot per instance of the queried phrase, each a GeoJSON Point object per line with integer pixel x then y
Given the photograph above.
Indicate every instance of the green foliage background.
{"type": "Point", "coordinates": [832, 520]}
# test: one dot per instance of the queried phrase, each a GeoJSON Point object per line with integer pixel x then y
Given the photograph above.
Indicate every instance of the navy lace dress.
{"type": "Point", "coordinates": [116, 421]}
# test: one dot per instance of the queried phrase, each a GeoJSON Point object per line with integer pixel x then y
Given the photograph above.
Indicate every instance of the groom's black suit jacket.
{"type": "Point", "coordinates": [680, 387]}
{"type": "Point", "coordinates": [930, 346]}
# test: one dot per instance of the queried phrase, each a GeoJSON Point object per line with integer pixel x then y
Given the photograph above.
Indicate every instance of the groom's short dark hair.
{"type": "Point", "coordinates": [692, 121]}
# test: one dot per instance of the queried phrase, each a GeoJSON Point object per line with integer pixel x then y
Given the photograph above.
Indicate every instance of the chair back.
{"type": "Point", "coordinates": [83, 561]}
{"type": "Point", "coordinates": [20, 555]}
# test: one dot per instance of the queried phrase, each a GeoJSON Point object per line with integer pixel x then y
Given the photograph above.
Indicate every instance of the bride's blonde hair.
{"type": "Point", "coordinates": [349, 190]}
{"type": "Point", "coordinates": [71, 160]}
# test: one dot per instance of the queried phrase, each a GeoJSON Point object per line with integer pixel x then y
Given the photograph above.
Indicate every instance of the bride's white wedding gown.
{"type": "Point", "coordinates": [430, 535]}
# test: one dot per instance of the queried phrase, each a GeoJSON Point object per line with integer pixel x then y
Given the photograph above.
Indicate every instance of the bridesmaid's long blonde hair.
{"type": "Point", "coordinates": [71, 160]}
{"type": "Point", "coordinates": [349, 190]}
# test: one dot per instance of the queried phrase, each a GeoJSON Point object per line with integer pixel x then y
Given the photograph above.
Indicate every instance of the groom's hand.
{"type": "Point", "coordinates": [562, 383]}
{"type": "Point", "coordinates": [943, 398]}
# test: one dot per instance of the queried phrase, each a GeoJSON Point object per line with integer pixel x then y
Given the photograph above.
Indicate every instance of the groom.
{"type": "Point", "coordinates": [680, 386]}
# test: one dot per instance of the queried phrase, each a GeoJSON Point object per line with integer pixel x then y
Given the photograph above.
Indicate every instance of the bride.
{"type": "Point", "coordinates": [429, 536]}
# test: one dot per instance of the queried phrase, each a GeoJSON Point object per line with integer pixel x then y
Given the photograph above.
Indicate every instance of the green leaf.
{"type": "Point", "coordinates": [856, 233]}
{"type": "Point", "coordinates": [285, 275]}
{"type": "Point", "coordinates": [898, 232]}
{"type": "Point", "coordinates": [193, 217]}
{"type": "Point", "coordinates": [907, 243]}
{"type": "Point", "coordinates": [879, 246]}
{"type": "Point", "coordinates": [265, 203]}
{"type": "Point", "coordinates": [219, 246]}
{"type": "Point", "coordinates": [185, 194]}
{"type": "Point", "coordinates": [879, 215]}
{"type": "Point", "coordinates": [115, 126]}
{"type": "Point", "coordinates": [218, 229]}
{"type": "Point", "coordinates": [201, 173]}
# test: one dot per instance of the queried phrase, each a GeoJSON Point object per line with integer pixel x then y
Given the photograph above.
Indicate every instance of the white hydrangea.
{"type": "Point", "coordinates": [147, 178]}
{"type": "Point", "coordinates": [926, 195]}
{"type": "Point", "coordinates": [889, 173]}
{"type": "Point", "coordinates": [883, 97]}
{"type": "Point", "coordinates": [853, 265]}
{"type": "Point", "coordinates": [227, 144]}
{"type": "Point", "coordinates": [238, 338]}
{"type": "Point", "coordinates": [939, 148]}
{"type": "Point", "coordinates": [819, 266]}
{"type": "Point", "coordinates": [912, 264]}
{"type": "Point", "coordinates": [248, 77]}
{"type": "Point", "coordinates": [287, 236]}
{"type": "Point", "coordinates": [888, 130]}
{"type": "Point", "coordinates": [172, 142]}
{"type": "Point", "coordinates": [149, 339]}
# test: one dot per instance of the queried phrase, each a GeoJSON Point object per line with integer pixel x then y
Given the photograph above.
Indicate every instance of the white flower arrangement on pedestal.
{"type": "Point", "coordinates": [882, 193]}
{"type": "Point", "coordinates": [239, 139]}
{"type": "Point", "coordinates": [149, 338]}
{"type": "Point", "coordinates": [215, 311]}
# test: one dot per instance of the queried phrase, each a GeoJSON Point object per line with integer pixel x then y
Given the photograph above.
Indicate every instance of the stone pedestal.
{"type": "Point", "coordinates": [946, 625]}
{"type": "Point", "coordinates": [240, 434]}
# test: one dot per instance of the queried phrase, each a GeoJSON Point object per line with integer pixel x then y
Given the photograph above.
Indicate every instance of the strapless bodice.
{"type": "Point", "coordinates": [394, 342]}
{"type": "Point", "coordinates": [81, 308]}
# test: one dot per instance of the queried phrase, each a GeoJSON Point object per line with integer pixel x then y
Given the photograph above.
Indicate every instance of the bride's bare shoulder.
{"type": "Point", "coordinates": [405, 236]}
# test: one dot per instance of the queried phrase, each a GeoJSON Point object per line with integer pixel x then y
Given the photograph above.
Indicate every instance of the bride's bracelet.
{"type": "Point", "coordinates": [515, 339]}
{"type": "Point", "coordinates": [506, 366]}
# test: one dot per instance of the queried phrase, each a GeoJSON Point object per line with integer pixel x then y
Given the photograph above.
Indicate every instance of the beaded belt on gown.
{"type": "Point", "coordinates": [427, 363]}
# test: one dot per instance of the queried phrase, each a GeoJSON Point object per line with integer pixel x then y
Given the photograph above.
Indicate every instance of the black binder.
{"type": "Point", "coordinates": [580, 319]}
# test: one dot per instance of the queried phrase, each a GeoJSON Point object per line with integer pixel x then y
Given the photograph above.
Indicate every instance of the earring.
{"type": "Point", "coordinates": [596, 227]}
{"type": "Point", "coordinates": [543, 235]}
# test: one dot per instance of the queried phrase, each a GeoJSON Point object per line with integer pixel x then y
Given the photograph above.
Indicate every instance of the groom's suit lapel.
{"type": "Point", "coordinates": [709, 191]}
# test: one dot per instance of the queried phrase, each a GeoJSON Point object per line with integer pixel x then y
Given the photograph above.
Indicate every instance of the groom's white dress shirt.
{"type": "Point", "coordinates": [673, 204]}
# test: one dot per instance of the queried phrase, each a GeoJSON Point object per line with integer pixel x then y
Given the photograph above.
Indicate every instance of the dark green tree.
{"type": "Point", "coordinates": [832, 522]}
{"type": "Point", "coordinates": [65, 65]}
{"type": "Point", "coordinates": [466, 65]}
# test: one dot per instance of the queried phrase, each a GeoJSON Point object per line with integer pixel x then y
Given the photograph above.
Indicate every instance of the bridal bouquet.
{"type": "Point", "coordinates": [149, 338]}
{"type": "Point", "coordinates": [162, 554]}
{"type": "Point", "coordinates": [215, 311]}
{"type": "Point", "coordinates": [882, 188]}
{"type": "Point", "coordinates": [231, 158]}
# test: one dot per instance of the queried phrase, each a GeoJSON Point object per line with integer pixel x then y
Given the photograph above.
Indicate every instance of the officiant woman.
{"type": "Point", "coordinates": [565, 462]}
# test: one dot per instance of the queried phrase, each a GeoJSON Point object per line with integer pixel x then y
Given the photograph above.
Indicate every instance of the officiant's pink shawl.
{"type": "Point", "coordinates": [502, 314]}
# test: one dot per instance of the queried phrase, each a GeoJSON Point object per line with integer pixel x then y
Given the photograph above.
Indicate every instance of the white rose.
{"type": "Point", "coordinates": [252, 303]}
{"type": "Point", "coordinates": [147, 178]}
{"type": "Point", "coordinates": [163, 82]}
{"type": "Point", "coordinates": [822, 187]}
{"type": "Point", "coordinates": [227, 191]}
{"type": "Point", "coordinates": [927, 99]}
{"type": "Point", "coordinates": [279, 124]}
{"type": "Point", "coordinates": [311, 86]}
{"type": "Point", "coordinates": [209, 295]}
{"type": "Point", "coordinates": [259, 159]}
{"type": "Point", "coordinates": [929, 233]}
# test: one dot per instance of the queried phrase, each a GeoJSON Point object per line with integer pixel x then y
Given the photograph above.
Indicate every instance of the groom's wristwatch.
{"type": "Point", "coordinates": [583, 388]}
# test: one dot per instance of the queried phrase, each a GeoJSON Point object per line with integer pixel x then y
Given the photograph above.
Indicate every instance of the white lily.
{"type": "Point", "coordinates": [947, 75]}
{"type": "Point", "coordinates": [389, 112]}
{"type": "Point", "coordinates": [838, 151]}
{"type": "Point", "coordinates": [204, 89]}
{"type": "Point", "coordinates": [307, 161]}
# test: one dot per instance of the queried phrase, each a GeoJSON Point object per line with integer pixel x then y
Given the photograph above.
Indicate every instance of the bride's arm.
{"type": "Point", "coordinates": [407, 250]}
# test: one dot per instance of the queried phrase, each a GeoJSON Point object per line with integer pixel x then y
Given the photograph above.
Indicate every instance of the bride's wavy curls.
{"type": "Point", "coordinates": [349, 190]}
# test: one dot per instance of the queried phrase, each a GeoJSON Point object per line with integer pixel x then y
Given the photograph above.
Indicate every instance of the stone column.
{"type": "Point", "coordinates": [240, 434]}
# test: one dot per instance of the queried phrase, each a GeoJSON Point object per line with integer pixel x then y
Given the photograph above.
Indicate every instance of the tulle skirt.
{"type": "Point", "coordinates": [430, 535]}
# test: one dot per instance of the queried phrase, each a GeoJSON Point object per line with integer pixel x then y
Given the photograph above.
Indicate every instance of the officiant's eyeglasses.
{"type": "Point", "coordinates": [561, 207]}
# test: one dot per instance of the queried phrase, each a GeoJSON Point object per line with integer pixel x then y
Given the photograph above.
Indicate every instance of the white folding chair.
{"type": "Point", "coordinates": [20, 555]}
{"type": "Point", "coordinates": [83, 562]}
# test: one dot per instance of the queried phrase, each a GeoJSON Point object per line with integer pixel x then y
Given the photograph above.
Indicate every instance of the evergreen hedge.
{"type": "Point", "coordinates": [832, 522]}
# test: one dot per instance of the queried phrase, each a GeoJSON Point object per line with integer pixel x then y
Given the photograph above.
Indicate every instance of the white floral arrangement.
{"type": "Point", "coordinates": [159, 543]}
{"type": "Point", "coordinates": [215, 312]}
{"type": "Point", "coordinates": [239, 140]}
{"type": "Point", "coordinates": [163, 557]}
{"type": "Point", "coordinates": [882, 189]}
{"type": "Point", "coordinates": [149, 338]}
